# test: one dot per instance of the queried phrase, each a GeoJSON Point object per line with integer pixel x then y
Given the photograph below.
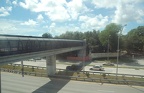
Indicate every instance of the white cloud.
{"type": "Point", "coordinates": [75, 7]}
{"type": "Point", "coordinates": [128, 12]}
{"type": "Point", "coordinates": [46, 26]}
{"type": "Point", "coordinates": [52, 27]}
{"type": "Point", "coordinates": [125, 10]}
{"type": "Point", "coordinates": [60, 29]}
{"type": "Point", "coordinates": [96, 22]}
{"type": "Point", "coordinates": [29, 4]}
{"type": "Point", "coordinates": [14, 27]}
{"type": "Point", "coordinates": [4, 11]}
{"type": "Point", "coordinates": [30, 22]}
{"type": "Point", "coordinates": [105, 3]}
{"type": "Point", "coordinates": [59, 16]}
{"type": "Point", "coordinates": [58, 13]}
{"type": "Point", "coordinates": [14, 2]}
{"type": "Point", "coordinates": [56, 10]}
{"type": "Point", "coordinates": [40, 18]}
{"type": "Point", "coordinates": [8, 1]}
{"type": "Point", "coordinates": [9, 26]}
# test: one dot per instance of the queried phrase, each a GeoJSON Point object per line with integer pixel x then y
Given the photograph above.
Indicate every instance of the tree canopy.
{"type": "Point", "coordinates": [47, 35]}
{"type": "Point", "coordinates": [71, 35]}
{"type": "Point", "coordinates": [98, 41]}
{"type": "Point", "coordinates": [135, 39]}
{"type": "Point", "coordinates": [110, 33]}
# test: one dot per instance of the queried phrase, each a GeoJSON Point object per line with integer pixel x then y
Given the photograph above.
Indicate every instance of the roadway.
{"type": "Point", "coordinates": [62, 65]}
{"type": "Point", "coordinates": [14, 83]}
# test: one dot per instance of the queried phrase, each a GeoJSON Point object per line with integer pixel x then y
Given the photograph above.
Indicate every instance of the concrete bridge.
{"type": "Point", "coordinates": [19, 48]}
{"type": "Point", "coordinates": [103, 55]}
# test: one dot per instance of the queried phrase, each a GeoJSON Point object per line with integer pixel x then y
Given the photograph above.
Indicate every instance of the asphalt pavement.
{"type": "Point", "coordinates": [15, 83]}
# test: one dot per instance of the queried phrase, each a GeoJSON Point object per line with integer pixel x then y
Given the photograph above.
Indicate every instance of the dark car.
{"type": "Point", "coordinates": [74, 67]}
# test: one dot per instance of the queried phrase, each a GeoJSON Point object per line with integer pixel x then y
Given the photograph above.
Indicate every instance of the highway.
{"type": "Point", "coordinates": [62, 65]}
{"type": "Point", "coordinates": [15, 83]}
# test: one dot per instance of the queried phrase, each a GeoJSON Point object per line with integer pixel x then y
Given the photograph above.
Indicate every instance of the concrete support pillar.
{"type": "Point", "coordinates": [82, 53]}
{"type": "Point", "coordinates": [51, 64]}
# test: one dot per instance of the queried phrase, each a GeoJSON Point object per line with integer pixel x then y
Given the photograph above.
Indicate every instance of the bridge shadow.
{"type": "Point", "coordinates": [53, 86]}
{"type": "Point", "coordinates": [56, 84]}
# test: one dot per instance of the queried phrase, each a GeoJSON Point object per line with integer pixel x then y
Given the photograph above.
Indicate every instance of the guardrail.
{"type": "Point", "coordinates": [24, 72]}
{"type": "Point", "coordinates": [90, 76]}
{"type": "Point", "coordinates": [103, 77]}
{"type": "Point", "coordinates": [29, 66]}
{"type": "Point", "coordinates": [101, 73]}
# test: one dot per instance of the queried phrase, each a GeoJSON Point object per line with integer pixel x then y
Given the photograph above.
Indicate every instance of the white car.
{"type": "Point", "coordinates": [97, 67]}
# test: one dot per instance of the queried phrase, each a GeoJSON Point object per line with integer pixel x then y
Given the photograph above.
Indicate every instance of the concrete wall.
{"type": "Point", "coordinates": [102, 55]}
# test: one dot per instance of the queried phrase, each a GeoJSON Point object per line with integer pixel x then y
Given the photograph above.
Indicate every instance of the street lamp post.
{"type": "Point", "coordinates": [84, 54]}
{"type": "Point", "coordinates": [108, 48]}
{"type": "Point", "coordinates": [118, 50]}
{"type": "Point", "coordinates": [0, 81]}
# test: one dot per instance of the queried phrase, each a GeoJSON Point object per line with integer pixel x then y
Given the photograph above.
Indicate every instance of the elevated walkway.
{"type": "Point", "coordinates": [18, 48]}
{"type": "Point", "coordinates": [25, 56]}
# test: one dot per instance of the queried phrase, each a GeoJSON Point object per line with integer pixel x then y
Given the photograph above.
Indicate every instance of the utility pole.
{"type": "Point", "coordinates": [108, 47]}
{"type": "Point", "coordinates": [118, 50]}
{"type": "Point", "coordinates": [0, 81]}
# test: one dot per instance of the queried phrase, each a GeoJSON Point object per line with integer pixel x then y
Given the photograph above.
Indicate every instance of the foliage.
{"type": "Point", "coordinates": [91, 37]}
{"type": "Point", "coordinates": [71, 35]}
{"type": "Point", "coordinates": [47, 35]}
{"type": "Point", "coordinates": [135, 39]}
{"type": "Point", "coordinates": [110, 33]}
{"type": "Point", "coordinates": [93, 41]}
{"type": "Point", "coordinates": [98, 41]}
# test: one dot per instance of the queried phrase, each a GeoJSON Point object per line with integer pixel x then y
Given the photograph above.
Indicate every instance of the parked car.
{"type": "Point", "coordinates": [108, 64]}
{"type": "Point", "coordinates": [74, 67]}
{"type": "Point", "coordinates": [97, 67]}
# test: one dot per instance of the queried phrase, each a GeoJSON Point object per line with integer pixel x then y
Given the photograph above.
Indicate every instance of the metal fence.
{"type": "Point", "coordinates": [102, 77]}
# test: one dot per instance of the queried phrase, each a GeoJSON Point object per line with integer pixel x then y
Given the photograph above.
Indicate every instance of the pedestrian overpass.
{"type": "Point", "coordinates": [19, 48]}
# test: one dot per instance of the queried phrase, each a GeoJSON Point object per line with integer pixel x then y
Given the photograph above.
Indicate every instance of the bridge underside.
{"type": "Point", "coordinates": [20, 57]}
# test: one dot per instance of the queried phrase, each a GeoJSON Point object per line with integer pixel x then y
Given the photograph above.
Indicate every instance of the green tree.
{"type": "Point", "coordinates": [93, 40]}
{"type": "Point", "coordinates": [135, 40]}
{"type": "Point", "coordinates": [47, 35]}
{"type": "Point", "coordinates": [91, 37]}
{"type": "Point", "coordinates": [110, 33]}
{"type": "Point", "coordinates": [71, 35]}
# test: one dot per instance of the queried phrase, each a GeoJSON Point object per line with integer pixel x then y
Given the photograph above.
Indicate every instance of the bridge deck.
{"type": "Point", "coordinates": [16, 48]}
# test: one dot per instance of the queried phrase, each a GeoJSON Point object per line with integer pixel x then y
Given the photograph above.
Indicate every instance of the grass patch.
{"type": "Point", "coordinates": [123, 60]}
{"type": "Point", "coordinates": [101, 76]}
{"type": "Point", "coordinates": [19, 68]}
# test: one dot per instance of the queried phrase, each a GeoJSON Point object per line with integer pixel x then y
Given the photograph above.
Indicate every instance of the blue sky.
{"type": "Point", "coordinates": [35, 17]}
